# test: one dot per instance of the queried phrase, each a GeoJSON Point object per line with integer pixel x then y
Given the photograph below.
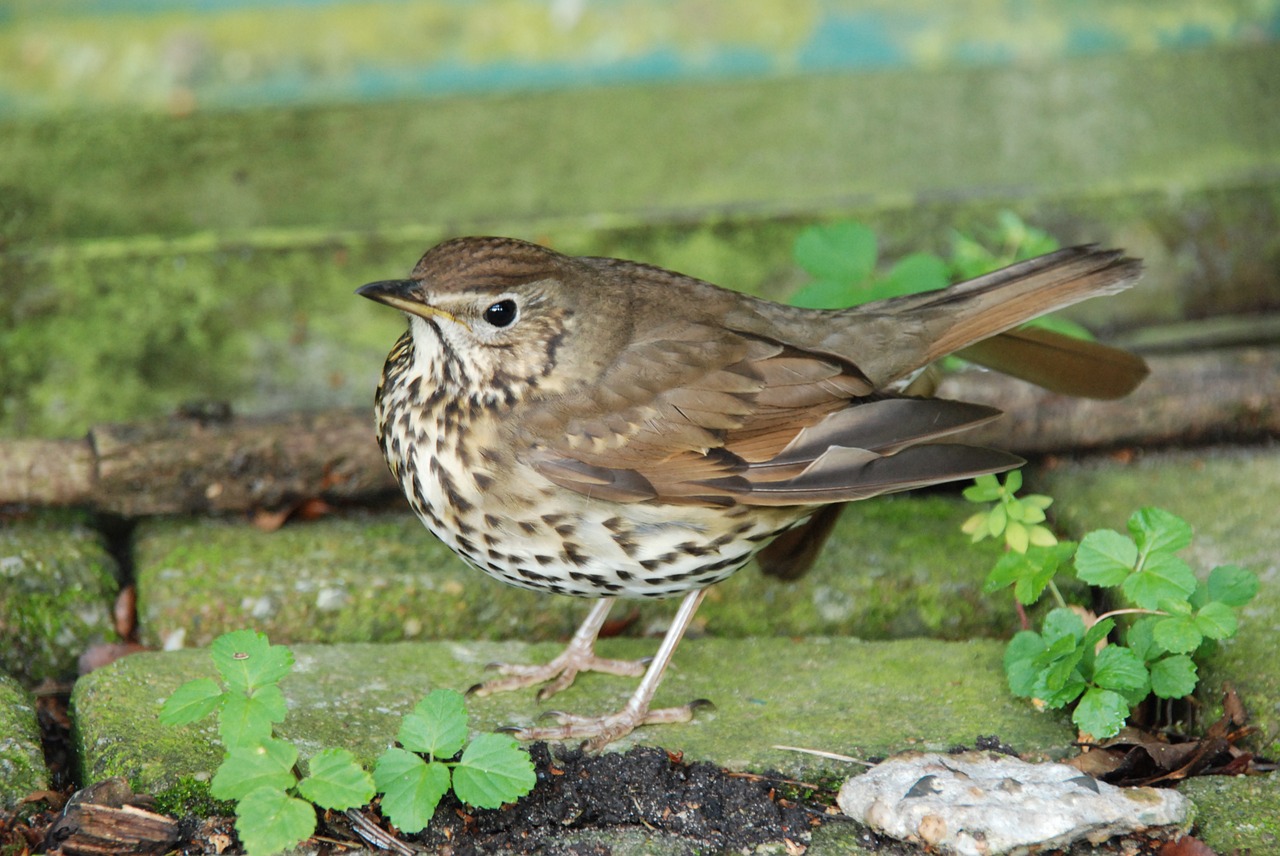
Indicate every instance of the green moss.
{"type": "Point", "coordinates": [22, 768]}
{"type": "Point", "coordinates": [190, 797]}
{"type": "Point", "coordinates": [57, 586]}
{"type": "Point", "coordinates": [1236, 814]}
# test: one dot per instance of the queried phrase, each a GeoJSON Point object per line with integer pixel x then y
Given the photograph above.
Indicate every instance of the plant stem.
{"type": "Point", "coordinates": [1057, 595]}
{"type": "Point", "coordinates": [1128, 612]}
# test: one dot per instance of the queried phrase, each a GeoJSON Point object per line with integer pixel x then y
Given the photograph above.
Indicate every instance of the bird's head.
{"type": "Point", "coordinates": [493, 319]}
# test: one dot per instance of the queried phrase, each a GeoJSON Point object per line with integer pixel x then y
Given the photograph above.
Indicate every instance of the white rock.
{"type": "Point", "coordinates": [981, 803]}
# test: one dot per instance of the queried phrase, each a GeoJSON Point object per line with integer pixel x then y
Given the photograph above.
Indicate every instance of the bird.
{"type": "Point", "coordinates": [609, 429]}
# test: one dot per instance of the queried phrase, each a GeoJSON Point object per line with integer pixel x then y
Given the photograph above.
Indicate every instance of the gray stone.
{"type": "Point", "coordinates": [57, 587]}
{"type": "Point", "coordinates": [22, 768]}
{"type": "Point", "coordinates": [979, 803]}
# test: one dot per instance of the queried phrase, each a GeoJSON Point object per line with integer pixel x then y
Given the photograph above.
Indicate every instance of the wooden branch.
{"type": "Point", "coordinates": [181, 466]}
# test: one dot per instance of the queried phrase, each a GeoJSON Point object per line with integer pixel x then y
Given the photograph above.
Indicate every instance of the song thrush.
{"type": "Point", "coordinates": [606, 429]}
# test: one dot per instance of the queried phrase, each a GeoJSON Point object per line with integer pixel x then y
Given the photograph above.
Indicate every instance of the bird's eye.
{"type": "Point", "coordinates": [501, 314]}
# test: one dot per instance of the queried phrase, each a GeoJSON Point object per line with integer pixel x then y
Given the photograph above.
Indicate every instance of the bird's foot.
{"type": "Point", "coordinates": [558, 674]}
{"type": "Point", "coordinates": [599, 731]}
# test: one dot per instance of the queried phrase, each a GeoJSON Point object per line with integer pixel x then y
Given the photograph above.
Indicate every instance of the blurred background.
{"type": "Point", "coordinates": [190, 190]}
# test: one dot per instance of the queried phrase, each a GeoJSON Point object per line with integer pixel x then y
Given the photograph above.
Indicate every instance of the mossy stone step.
{"type": "Point", "coordinates": [22, 768]}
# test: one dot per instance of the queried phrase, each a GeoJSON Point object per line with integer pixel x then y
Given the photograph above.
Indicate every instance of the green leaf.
{"type": "Point", "coordinates": [1173, 676]}
{"type": "Point", "coordinates": [912, 274]}
{"type": "Point", "coordinates": [1101, 713]}
{"type": "Point", "coordinates": [412, 788]}
{"type": "Point", "coordinates": [248, 661]}
{"type": "Point", "coordinates": [997, 519]}
{"type": "Point", "coordinates": [824, 294]}
{"type": "Point", "coordinates": [1008, 569]}
{"type": "Point", "coordinates": [269, 821]}
{"type": "Point", "coordinates": [1141, 637]}
{"type": "Point", "coordinates": [1156, 530]}
{"type": "Point", "coordinates": [1118, 668]}
{"type": "Point", "coordinates": [1232, 585]}
{"type": "Point", "coordinates": [1015, 536]}
{"type": "Point", "coordinates": [1216, 620]}
{"type": "Point", "coordinates": [1164, 577]}
{"type": "Point", "coordinates": [1059, 685]}
{"type": "Point", "coordinates": [1097, 632]}
{"type": "Point", "coordinates": [1177, 634]}
{"type": "Point", "coordinates": [335, 780]}
{"type": "Point", "coordinates": [246, 720]}
{"type": "Point", "coordinates": [493, 770]}
{"type": "Point", "coordinates": [844, 252]}
{"type": "Point", "coordinates": [985, 488]}
{"type": "Point", "coordinates": [437, 725]}
{"type": "Point", "coordinates": [1013, 482]}
{"type": "Point", "coordinates": [1040, 536]}
{"type": "Point", "coordinates": [191, 702]}
{"type": "Point", "coordinates": [1062, 622]}
{"type": "Point", "coordinates": [1020, 662]}
{"type": "Point", "coordinates": [247, 768]}
{"type": "Point", "coordinates": [1105, 558]}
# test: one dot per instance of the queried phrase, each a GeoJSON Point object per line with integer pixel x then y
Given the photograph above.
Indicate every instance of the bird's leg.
{"type": "Point", "coordinates": [578, 656]}
{"type": "Point", "coordinates": [601, 730]}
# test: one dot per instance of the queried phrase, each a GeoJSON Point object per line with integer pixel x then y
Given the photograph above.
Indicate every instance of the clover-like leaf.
{"type": "Point", "coordinates": [1140, 637]}
{"type": "Point", "coordinates": [1021, 662]}
{"type": "Point", "coordinates": [1177, 634]}
{"type": "Point", "coordinates": [1062, 622]}
{"type": "Point", "coordinates": [335, 780]}
{"type": "Point", "coordinates": [411, 788]}
{"type": "Point", "coordinates": [191, 702]}
{"type": "Point", "coordinates": [269, 821]}
{"type": "Point", "coordinates": [493, 770]}
{"type": "Point", "coordinates": [247, 661]}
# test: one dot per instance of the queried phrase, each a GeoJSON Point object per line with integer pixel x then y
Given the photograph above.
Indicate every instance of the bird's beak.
{"type": "Point", "coordinates": [399, 293]}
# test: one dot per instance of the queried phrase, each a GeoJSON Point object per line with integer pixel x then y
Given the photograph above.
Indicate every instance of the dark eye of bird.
{"type": "Point", "coordinates": [501, 313]}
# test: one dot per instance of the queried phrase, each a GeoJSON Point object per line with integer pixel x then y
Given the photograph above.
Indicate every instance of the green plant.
{"type": "Point", "coordinates": [1073, 659]}
{"type": "Point", "coordinates": [275, 803]}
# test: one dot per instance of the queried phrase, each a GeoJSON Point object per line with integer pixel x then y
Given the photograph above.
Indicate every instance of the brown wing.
{"type": "Point", "coordinates": [702, 415]}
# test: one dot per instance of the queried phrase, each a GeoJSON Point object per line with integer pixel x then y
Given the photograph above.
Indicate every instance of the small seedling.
{"type": "Point", "coordinates": [1072, 658]}
{"type": "Point", "coordinates": [276, 805]}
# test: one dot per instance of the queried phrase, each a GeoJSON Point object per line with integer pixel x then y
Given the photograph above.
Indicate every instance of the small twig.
{"type": "Point", "coordinates": [834, 756]}
{"type": "Point", "coordinates": [376, 835]}
{"type": "Point", "coordinates": [1133, 611]}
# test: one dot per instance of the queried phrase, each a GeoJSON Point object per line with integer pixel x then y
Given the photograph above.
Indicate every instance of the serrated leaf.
{"type": "Point", "coordinates": [191, 702]}
{"type": "Point", "coordinates": [246, 720]}
{"type": "Point", "coordinates": [843, 252]}
{"type": "Point", "coordinates": [269, 821]}
{"type": "Point", "coordinates": [1177, 634]}
{"type": "Point", "coordinates": [1232, 585]}
{"type": "Point", "coordinates": [247, 768]}
{"type": "Point", "coordinates": [493, 770]}
{"type": "Point", "coordinates": [1105, 558]}
{"type": "Point", "coordinates": [335, 780]}
{"type": "Point", "coordinates": [1164, 577]}
{"type": "Point", "coordinates": [411, 788]}
{"type": "Point", "coordinates": [1098, 631]}
{"type": "Point", "coordinates": [437, 725]}
{"type": "Point", "coordinates": [1141, 637]}
{"type": "Point", "coordinates": [1173, 676]}
{"type": "Point", "coordinates": [1216, 620]}
{"type": "Point", "coordinates": [1117, 668]}
{"type": "Point", "coordinates": [1055, 697]}
{"type": "Point", "coordinates": [1020, 662]}
{"type": "Point", "coordinates": [1062, 622]}
{"type": "Point", "coordinates": [1008, 569]}
{"type": "Point", "coordinates": [1101, 713]}
{"type": "Point", "coordinates": [247, 661]}
{"type": "Point", "coordinates": [1157, 530]}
